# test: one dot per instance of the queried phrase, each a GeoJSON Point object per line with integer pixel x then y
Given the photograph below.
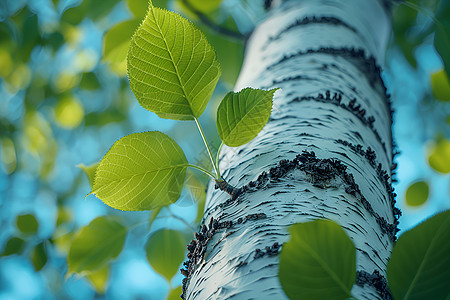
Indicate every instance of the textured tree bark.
{"type": "Point", "coordinates": [324, 55]}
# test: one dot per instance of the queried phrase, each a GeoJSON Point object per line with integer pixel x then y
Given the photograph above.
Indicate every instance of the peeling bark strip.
{"type": "Point", "coordinates": [376, 280]}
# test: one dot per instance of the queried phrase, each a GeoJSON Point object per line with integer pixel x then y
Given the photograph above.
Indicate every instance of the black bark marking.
{"type": "Point", "coordinates": [376, 280]}
{"type": "Point", "coordinates": [307, 21]}
{"type": "Point", "coordinates": [371, 156]}
{"type": "Point", "coordinates": [320, 171]}
{"type": "Point", "coordinates": [351, 107]}
{"type": "Point", "coordinates": [368, 65]}
{"type": "Point", "coordinates": [269, 251]}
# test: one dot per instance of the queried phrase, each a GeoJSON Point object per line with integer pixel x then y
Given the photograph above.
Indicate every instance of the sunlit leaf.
{"type": "Point", "coordinates": [419, 267]}
{"type": "Point", "coordinates": [98, 279]}
{"type": "Point", "coordinates": [440, 85]}
{"type": "Point", "coordinates": [175, 294]}
{"type": "Point", "coordinates": [417, 193]}
{"type": "Point", "coordinates": [69, 112]}
{"type": "Point", "coordinates": [64, 215]}
{"type": "Point", "coordinates": [6, 62]}
{"type": "Point", "coordinates": [439, 156]}
{"type": "Point", "coordinates": [27, 224]}
{"type": "Point", "coordinates": [8, 155]}
{"type": "Point", "coordinates": [172, 69]}
{"type": "Point", "coordinates": [115, 45]}
{"type": "Point", "coordinates": [14, 245]}
{"type": "Point", "coordinates": [62, 240]}
{"type": "Point", "coordinates": [242, 115]}
{"type": "Point", "coordinates": [442, 36]}
{"type": "Point", "coordinates": [96, 244]}
{"type": "Point", "coordinates": [318, 262]}
{"type": "Point", "coordinates": [39, 256]}
{"type": "Point", "coordinates": [141, 171]}
{"type": "Point", "coordinates": [66, 81]}
{"type": "Point", "coordinates": [90, 172]}
{"type": "Point", "coordinates": [165, 251]}
{"type": "Point", "coordinates": [89, 81]}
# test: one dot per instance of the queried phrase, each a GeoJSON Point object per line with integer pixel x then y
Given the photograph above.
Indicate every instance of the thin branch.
{"type": "Point", "coordinates": [204, 19]}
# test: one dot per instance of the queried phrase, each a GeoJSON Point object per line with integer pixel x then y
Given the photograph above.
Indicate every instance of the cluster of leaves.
{"type": "Point", "coordinates": [320, 254]}
{"type": "Point", "coordinates": [26, 242]}
{"type": "Point", "coordinates": [173, 71]}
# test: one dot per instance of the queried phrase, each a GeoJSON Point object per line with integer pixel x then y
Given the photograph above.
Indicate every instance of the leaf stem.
{"type": "Point", "coordinates": [217, 155]}
{"type": "Point", "coordinates": [203, 170]}
{"type": "Point", "coordinates": [216, 168]}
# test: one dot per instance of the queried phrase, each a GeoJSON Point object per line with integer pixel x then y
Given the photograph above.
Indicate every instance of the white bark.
{"type": "Point", "coordinates": [306, 48]}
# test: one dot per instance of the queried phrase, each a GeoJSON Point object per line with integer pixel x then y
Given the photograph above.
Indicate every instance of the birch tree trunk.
{"type": "Point", "coordinates": [324, 55]}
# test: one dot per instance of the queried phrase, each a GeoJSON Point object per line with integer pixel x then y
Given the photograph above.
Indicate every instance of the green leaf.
{"type": "Point", "coordinates": [172, 68]}
{"type": "Point", "coordinates": [153, 216]}
{"type": "Point", "coordinates": [96, 244]}
{"type": "Point", "coordinates": [14, 245]}
{"type": "Point", "coordinates": [204, 6]}
{"type": "Point", "coordinates": [98, 279]}
{"type": "Point", "coordinates": [141, 171]}
{"type": "Point", "coordinates": [139, 8]}
{"type": "Point", "coordinates": [27, 224]}
{"type": "Point", "coordinates": [175, 294]}
{"type": "Point", "coordinates": [165, 251]}
{"type": "Point", "coordinates": [90, 172]}
{"type": "Point", "coordinates": [39, 257]}
{"type": "Point", "coordinates": [417, 193]}
{"type": "Point", "coordinates": [115, 45]}
{"type": "Point", "coordinates": [440, 85]}
{"type": "Point", "coordinates": [89, 81]}
{"type": "Point", "coordinates": [442, 35]}
{"type": "Point", "coordinates": [439, 155]}
{"type": "Point", "coordinates": [242, 115]}
{"type": "Point", "coordinates": [419, 267]}
{"type": "Point", "coordinates": [318, 262]}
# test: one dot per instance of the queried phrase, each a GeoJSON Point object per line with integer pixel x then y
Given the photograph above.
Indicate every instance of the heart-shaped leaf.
{"type": "Point", "coordinates": [419, 267]}
{"type": "Point", "coordinates": [417, 193]}
{"type": "Point", "coordinates": [141, 171]}
{"type": "Point", "coordinates": [14, 245]}
{"type": "Point", "coordinates": [27, 224]}
{"type": "Point", "coordinates": [318, 262]}
{"type": "Point", "coordinates": [440, 85]}
{"type": "Point", "coordinates": [242, 115]}
{"type": "Point", "coordinates": [165, 252]}
{"type": "Point", "coordinates": [96, 244]}
{"type": "Point", "coordinates": [172, 68]}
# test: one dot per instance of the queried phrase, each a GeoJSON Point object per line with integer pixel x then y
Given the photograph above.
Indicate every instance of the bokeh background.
{"type": "Point", "coordinates": [65, 99]}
